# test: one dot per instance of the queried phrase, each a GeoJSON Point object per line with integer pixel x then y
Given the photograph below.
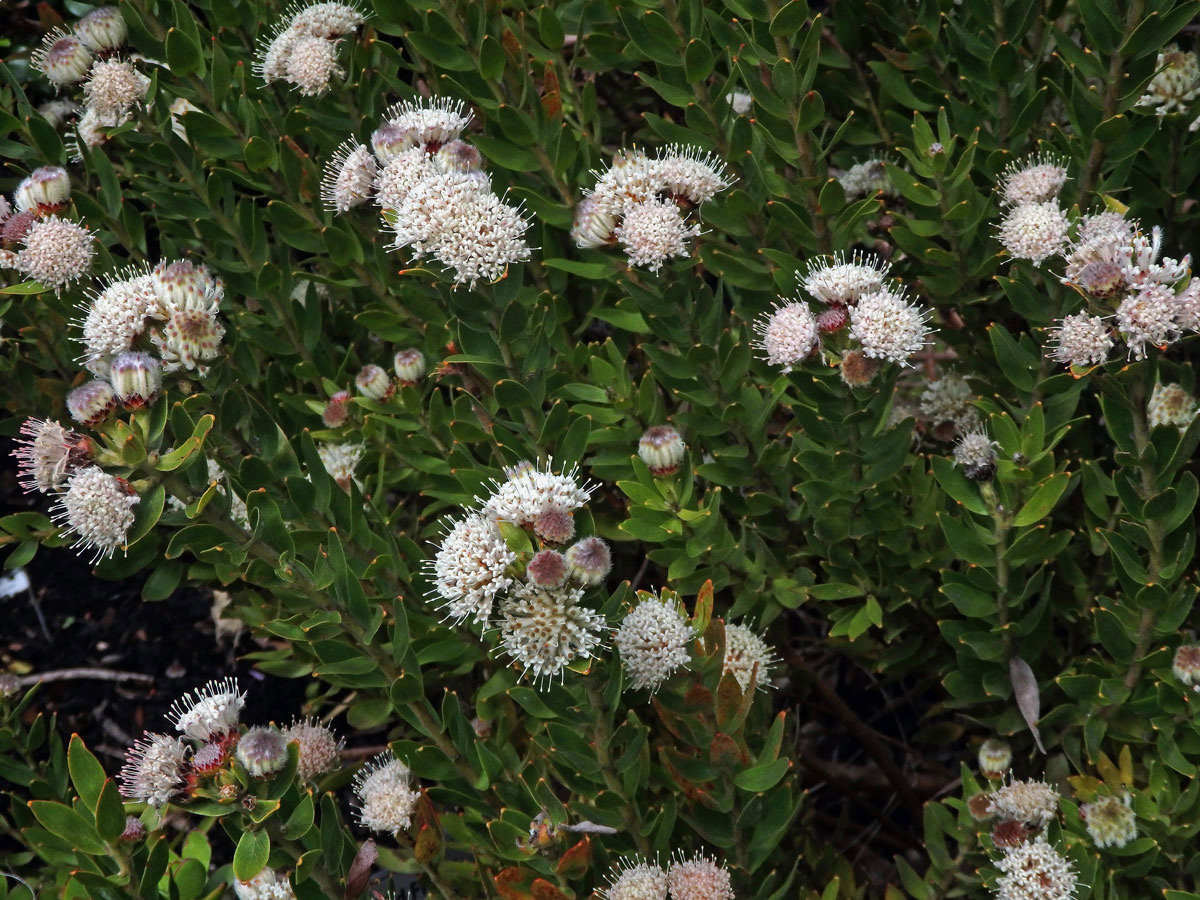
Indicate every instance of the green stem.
{"type": "Point", "coordinates": [601, 740]}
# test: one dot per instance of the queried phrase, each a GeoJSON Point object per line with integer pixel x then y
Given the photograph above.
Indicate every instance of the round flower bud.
{"type": "Point", "coordinates": [662, 449]}
{"type": "Point", "coordinates": [457, 156]}
{"type": "Point", "coordinates": [373, 383]}
{"type": "Point", "coordinates": [976, 453]}
{"type": "Point", "coordinates": [857, 369]}
{"type": "Point", "coordinates": [136, 377]}
{"type": "Point", "coordinates": [262, 751]}
{"type": "Point", "coordinates": [388, 141]}
{"type": "Point", "coordinates": [595, 221]}
{"type": "Point", "coordinates": [102, 29]}
{"type": "Point", "coordinates": [55, 252]}
{"type": "Point", "coordinates": [1035, 871]}
{"type": "Point", "coordinates": [409, 365]}
{"type": "Point", "coordinates": [90, 403]}
{"type": "Point", "coordinates": [98, 509]}
{"type": "Point", "coordinates": [337, 410]}
{"type": "Point", "coordinates": [182, 284]}
{"type": "Point", "coordinates": [698, 878]}
{"type": "Point", "coordinates": [385, 794]}
{"type": "Point", "coordinates": [653, 641]}
{"type": "Point", "coordinates": [46, 454]}
{"type": "Point", "coordinates": [1008, 834]}
{"type": "Point", "coordinates": [154, 770]}
{"type": "Point", "coordinates": [589, 560]}
{"type": "Point", "coordinates": [995, 758]}
{"type": "Point", "coordinates": [114, 87]}
{"type": "Point", "coordinates": [44, 190]}
{"type": "Point", "coordinates": [190, 338]}
{"type": "Point", "coordinates": [788, 335]}
{"type": "Point", "coordinates": [832, 318]}
{"type": "Point", "coordinates": [554, 525]}
{"type": "Point", "coordinates": [1101, 279]}
{"type": "Point", "coordinates": [62, 58]}
{"type": "Point", "coordinates": [747, 657]}
{"type": "Point", "coordinates": [349, 177]}
{"type": "Point", "coordinates": [17, 226]}
{"type": "Point", "coordinates": [634, 879]}
{"type": "Point", "coordinates": [134, 830]}
{"type": "Point", "coordinates": [548, 568]}
{"type": "Point", "coordinates": [1032, 803]}
{"type": "Point", "coordinates": [211, 712]}
{"type": "Point", "coordinates": [320, 750]}
{"type": "Point", "coordinates": [1186, 665]}
{"type": "Point", "coordinates": [1110, 821]}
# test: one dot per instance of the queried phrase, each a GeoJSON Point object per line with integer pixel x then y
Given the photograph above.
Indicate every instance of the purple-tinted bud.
{"type": "Point", "coordinates": [136, 377]}
{"type": "Point", "coordinates": [548, 568]}
{"type": "Point", "coordinates": [589, 560]}
{"type": "Point", "coordinates": [662, 449]}
{"type": "Point", "coordinates": [45, 190]}
{"type": "Point", "coordinates": [134, 830]}
{"type": "Point", "coordinates": [374, 384]}
{"type": "Point", "coordinates": [554, 526]}
{"type": "Point", "coordinates": [336, 410]}
{"type": "Point", "coordinates": [409, 365]}
{"type": "Point", "coordinates": [89, 404]}
{"type": "Point", "coordinates": [262, 751]}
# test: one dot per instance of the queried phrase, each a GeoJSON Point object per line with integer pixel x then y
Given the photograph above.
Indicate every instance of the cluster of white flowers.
{"type": "Point", "coordinates": [1111, 821]}
{"type": "Point", "coordinates": [543, 622]}
{"type": "Point", "coordinates": [653, 640]}
{"type": "Point", "coordinates": [697, 878]}
{"type": "Point", "coordinates": [748, 658]}
{"type": "Point", "coordinates": [1035, 226]}
{"type": "Point", "coordinates": [112, 87]}
{"type": "Point", "coordinates": [866, 178]}
{"type": "Point", "coordinates": [1033, 870]}
{"type": "Point", "coordinates": [856, 292]}
{"type": "Point", "coordinates": [1032, 803]}
{"type": "Point", "coordinates": [46, 453]}
{"type": "Point", "coordinates": [433, 191]}
{"type": "Point", "coordinates": [949, 400]}
{"type": "Point", "coordinates": [1150, 299]}
{"type": "Point", "coordinates": [52, 250]}
{"type": "Point", "coordinates": [642, 203]}
{"type": "Point", "coordinates": [1176, 85]}
{"type": "Point", "coordinates": [97, 508]}
{"type": "Point", "coordinates": [266, 885]}
{"type": "Point", "coordinates": [386, 797]}
{"type": "Point", "coordinates": [1170, 404]}
{"type": "Point", "coordinates": [302, 48]}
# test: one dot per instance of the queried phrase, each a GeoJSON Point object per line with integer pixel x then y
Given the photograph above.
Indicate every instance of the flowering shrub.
{"type": "Point", "coordinates": [732, 449]}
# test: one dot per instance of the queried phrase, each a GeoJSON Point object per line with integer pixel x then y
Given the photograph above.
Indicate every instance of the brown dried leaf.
{"type": "Point", "coordinates": [360, 869]}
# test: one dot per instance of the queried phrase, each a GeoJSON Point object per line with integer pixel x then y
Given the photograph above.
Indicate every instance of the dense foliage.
{"type": "Point", "coordinates": [377, 323]}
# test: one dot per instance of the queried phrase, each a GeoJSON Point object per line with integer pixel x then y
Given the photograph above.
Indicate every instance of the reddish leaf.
{"type": "Point", "coordinates": [513, 883]}
{"type": "Point", "coordinates": [360, 869]}
{"type": "Point", "coordinates": [704, 608]}
{"type": "Point", "coordinates": [428, 845]}
{"type": "Point", "coordinates": [724, 752]}
{"type": "Point", "coordinates": [544, 890]}
{"type": "Point", "coordinates": [576, 860]}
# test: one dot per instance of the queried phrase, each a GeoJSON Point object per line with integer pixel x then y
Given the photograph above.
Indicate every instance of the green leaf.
{"type": "Point", "coordinates": [789, 19]}
{"type": "Point", "coordinates": [251, 854]}
{"type": "Point", "coordinates": [762, 777]}
{"type": "Point", "coordinates": [87, 775]}
{"type": "Point", "coordinates": [260, 155]}
{"type": "Point", "coordinates": [181, 454]}
{"type": "Point", "coordinates": [183, 53]}
{"type": "Point", "coordinates": [69, 825]}
{"type": "Point", "coordinates": [1042, 500]}
{"type": "Point", "coordinates": [110, 812]}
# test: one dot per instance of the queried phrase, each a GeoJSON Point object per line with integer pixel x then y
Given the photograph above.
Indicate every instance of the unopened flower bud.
{"type": "Point", "coordinates": [62, 58]}
{"type": "Point", "coordinates": [228, 792]}
{"type": "Point", "coordinates": [980, 806]}
{"type": "Point", "coordinates": [548, 568]}
{"type": "Point", "coordinates": [409, 365]}
{"type": "Point", "coordinates": [90, 403]}
{"type": "Point", "coordinates": [374, 384]}
{"type": "Point", "coordinates": [662, 449]}
{"type": "Point", "coordinates": [936, 149]}
{"type": "Point", "coordinates": [858, 369]}
{"type": "Point", "coordinates": [1101, 279]}
{"type": "Point", "coordinates": [458, 156]}
{"type": "Point", "coordinates": [995, 758]}
{"type": "Point", "coordinates": [589, 560]}
{"type": "Point", "coordinates": [45, 190]}
{"type": "Point", "coordinates": [1187, 664]}
{"type": "Point", "coordinates": [337, 410]}
{"type": "Point", "coordinates": [102, 29]}
{"type": "Point", "coordinates": [1009, 833]}
{"type": "Point", "coordinates": [832, 318]}
{"type": "Point", "coordinates": [17, 226]}
{"type": "Point", "coordinates": [554, 525]}
{"type": "Point", "coordinates": [136, 377]}
{"type": "Point", "coordinates": [319, 750]}
{"type": "Point", "coordinates": [389, 141]}
{"type": "Point", "coordinates": [134, 830]}
{"type": "Point", "coordinates": [211, 756]}
{"type": "Point", "coordinates": [482, 728]}
{"type": "Point", "coordinates": [262, 751]}
{"type": "Point", "coordinates": [595, 222]}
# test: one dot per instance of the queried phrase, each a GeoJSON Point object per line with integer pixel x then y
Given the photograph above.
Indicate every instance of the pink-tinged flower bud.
{"type": "Point", "coordinates": [134, 830]}
{"type": "Point", "coordinates": [832, 318]}
{"type": "Point", "coordinates": [995, 757]}
{"type": "Point", "coordinates": [102, 29]}
{"type": "Point", "coordinates": [212, 756]}
{"type": "Point", "coordinates": [548, 568]}
{"type": "Point", "coordinates": [595, 222]}
{"type": "Point", "coordinates": [337, 410]}
{"type": "Point", "coordinates": [17, 226]}
{"type": "Point", "coordinates": [182, 284]}
{"type": "Point", "coordinates": [262, 751]}
{"type": "Point", "coordinates": [189, 339]}
{"type": "Point", "coordinates": [858, 369]}
{"type": "Point", "coordinates": [62, 58]}
{"type": "Point", "coordinates": [1101, 279]}
{"type": "Point", "coordinates": [458, 156]}
{"type": "Point", "coordinates": [89, 404]}
{"type": "Point", "coordinates": [1187, 665]}
{"type": "Point", "coordinates": [374, 384]}
{"type": "Point", "coordinates": [662, 449]}
{"type": "Point", "coordinates": [589, 560]}
{"type": "Point", "coordinates": [320, 750]}
{"type": "Point", "coordinates": [409, 365]}
{"type": "Point", "coordinates": [136, 377]}
{"type": "Point", "coordinates": [45, 190]}
{"type": "Point", "coordinates": [553, 525]}
{"type": "Point", "coordinates": [389, 141]}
